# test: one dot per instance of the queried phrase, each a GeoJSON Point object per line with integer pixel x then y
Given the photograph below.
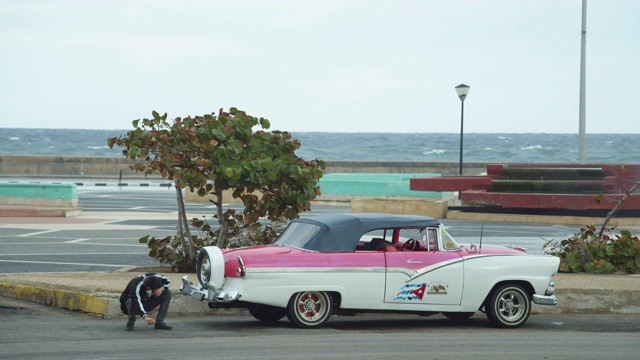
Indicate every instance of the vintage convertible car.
{"type": "Point", "coordinates": [336, 264]}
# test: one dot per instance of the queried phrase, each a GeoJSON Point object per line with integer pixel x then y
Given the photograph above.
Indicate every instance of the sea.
{"type": "Point", "coordinates": [365, 146]}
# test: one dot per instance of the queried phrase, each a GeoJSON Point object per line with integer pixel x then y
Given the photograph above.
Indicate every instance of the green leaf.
{"type": "Point", "coordinates": [267, 163]}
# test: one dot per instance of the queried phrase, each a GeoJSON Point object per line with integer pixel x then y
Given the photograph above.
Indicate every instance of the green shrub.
{"type": "Point", "coordinates": [586, 252]}
{"type": "Point", "coordinates": [241, 233]}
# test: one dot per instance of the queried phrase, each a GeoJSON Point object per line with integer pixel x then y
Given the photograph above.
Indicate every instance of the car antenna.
{"type": "Point", "coordinates": [481, 231]}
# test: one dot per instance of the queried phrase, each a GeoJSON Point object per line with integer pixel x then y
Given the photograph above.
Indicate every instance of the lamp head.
{"type": "Point", "coordinates": [462, 91]}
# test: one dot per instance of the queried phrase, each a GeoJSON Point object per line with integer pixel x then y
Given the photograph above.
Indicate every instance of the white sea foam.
{"type": "Point", "coordinates": [535, 147]}
{"type": "Point", "coordinates": [434, 152]}
{"type": "Point", "coordinates": [14, 138]}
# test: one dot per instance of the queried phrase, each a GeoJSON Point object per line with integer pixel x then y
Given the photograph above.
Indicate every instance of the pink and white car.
{"type": "Point", "coordinates": [336, 264]}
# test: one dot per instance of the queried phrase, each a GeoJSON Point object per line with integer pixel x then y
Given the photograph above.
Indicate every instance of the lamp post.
{"type": "Point", "coordinates": [462, 91]}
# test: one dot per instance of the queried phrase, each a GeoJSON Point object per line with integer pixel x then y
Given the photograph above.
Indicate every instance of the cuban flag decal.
{"type": "Point", "coordinates": [412, 292]}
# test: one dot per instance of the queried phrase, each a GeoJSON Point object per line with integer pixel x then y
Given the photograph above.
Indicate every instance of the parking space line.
{"type": "Point", "coordinates": [38, 233]}
{"type": "Point", "coordinates": [61, 263]}
{"type": "Point", "coordinates": [76, 241]}
{"type": "Point", "coordinates": [66, 254]}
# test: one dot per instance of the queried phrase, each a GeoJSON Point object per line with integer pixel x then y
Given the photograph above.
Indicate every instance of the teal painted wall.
{"type": "Point", "coordinates": [39, 191]}
{"type": "Point", "coordinates": [372, 184]}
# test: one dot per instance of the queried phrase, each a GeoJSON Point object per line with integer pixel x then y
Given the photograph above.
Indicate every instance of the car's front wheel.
{"type": "Point", "coordinates": [310, 309]}
{"type": "Point", "coordinates": [508, 306]}
{"type": "Point", "coordinates": [266, 313]}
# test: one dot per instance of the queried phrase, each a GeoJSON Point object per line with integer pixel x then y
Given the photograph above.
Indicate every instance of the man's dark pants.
{"type": "Point", "coordinates": [152, 303]}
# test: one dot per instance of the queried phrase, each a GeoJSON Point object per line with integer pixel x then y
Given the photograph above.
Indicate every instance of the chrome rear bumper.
{"type": "Point", "coordinates": [210, 293]}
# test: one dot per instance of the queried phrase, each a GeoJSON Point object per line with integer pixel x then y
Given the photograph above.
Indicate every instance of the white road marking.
{"type": "Point", "coordinates": [37, 233]}
{"type": "Point", "coordinates": [60, 263]}
{"type": "Point", "coordinates": [64, 242]}
{"type": "Point", "coordinates": [76, 241]}
{"type": "Point", "coordinates": [65, 254]}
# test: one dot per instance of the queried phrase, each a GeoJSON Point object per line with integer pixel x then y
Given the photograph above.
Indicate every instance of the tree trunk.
{"type": "Point", "coordinates": [184, 232]}
{"type": "Point", "coordinates": [222, 239]}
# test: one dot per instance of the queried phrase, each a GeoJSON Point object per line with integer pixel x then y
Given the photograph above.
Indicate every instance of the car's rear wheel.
{"type": "Point", "coordinates": [458, 315]}
{"type": "Point", "coordinates": [310, 309]}
{"type": "Point", "coordinates": [508, 306]}
{"type": "Point", "coordinates": [266, 313]}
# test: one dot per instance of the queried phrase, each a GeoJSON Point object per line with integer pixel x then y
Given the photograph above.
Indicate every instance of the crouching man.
{"type": "Point", "coordinates": [143, 294]}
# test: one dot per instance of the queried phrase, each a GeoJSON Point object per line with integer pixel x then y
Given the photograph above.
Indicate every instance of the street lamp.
{"type": "Point", "coordinates": [462, 91]}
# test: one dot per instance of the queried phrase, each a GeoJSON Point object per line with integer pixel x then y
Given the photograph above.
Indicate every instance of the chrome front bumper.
{"type": "Point", "coordinates": [210, 293]}
{"type": "Point", "coordinates": [545, 299]}
{"type": "Point", "coordinates": [548, 298]}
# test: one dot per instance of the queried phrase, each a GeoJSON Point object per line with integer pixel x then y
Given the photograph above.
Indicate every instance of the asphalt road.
{"type": "Point", "coordinates": [32, 331]}
{"type": "Point", "coordinates": [105, 237]}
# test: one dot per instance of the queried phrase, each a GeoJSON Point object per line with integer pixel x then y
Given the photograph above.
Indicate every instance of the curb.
{"type": "Point", "coordinates": [65, 299]}
{"type": "Point", "coordinates": [104, 305]}
{"type": "Point", "coordinates": [101, 183]}
{"type": "Point", "coordinates": [123, 184]}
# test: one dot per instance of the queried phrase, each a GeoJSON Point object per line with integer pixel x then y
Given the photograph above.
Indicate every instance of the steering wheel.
{"type": "Point", "coordinates": [411, 245]}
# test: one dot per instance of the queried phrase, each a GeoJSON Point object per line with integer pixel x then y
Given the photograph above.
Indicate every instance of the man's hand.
{"type": "Point", "coordinates": [157, 292]}
{"type": "Point", "coordinates": [149, 320]}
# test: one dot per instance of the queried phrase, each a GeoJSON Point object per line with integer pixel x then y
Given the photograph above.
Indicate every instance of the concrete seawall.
{"type": "Point", "coordinates": [78, 167]}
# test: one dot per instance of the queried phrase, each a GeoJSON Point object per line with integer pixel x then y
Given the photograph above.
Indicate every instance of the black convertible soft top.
{"type": "Point", "coordinates": [342, 231]}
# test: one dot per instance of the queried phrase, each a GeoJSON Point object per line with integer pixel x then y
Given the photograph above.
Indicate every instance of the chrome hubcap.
{"type": "Point", "coordinates": [205, 270]}
{"type": "Point", "coordinates": [510, 305]}
{"type": "Point", "coordinates": [311, 306]}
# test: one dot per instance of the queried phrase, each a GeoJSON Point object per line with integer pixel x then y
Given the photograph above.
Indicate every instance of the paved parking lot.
{"type": "Point", "coordinates": [105, 237]}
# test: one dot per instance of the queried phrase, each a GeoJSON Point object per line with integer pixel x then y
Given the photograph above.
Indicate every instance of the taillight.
{"type": "Point", "coordinates": [241, 271]}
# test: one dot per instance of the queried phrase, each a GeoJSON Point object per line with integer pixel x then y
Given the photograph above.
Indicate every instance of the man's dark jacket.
{"type": "Point", "coordinates": [139, 293]}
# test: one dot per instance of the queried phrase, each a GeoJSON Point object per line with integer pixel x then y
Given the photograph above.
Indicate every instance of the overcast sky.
{"type": "Point", "coordinates": [322, 65]}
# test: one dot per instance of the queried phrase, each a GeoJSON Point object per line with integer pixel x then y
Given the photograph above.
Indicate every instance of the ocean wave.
{"type": "Point", "coordinates": [435, 152]}
{"type": "Point", "coordinates": [437, 147]}
{"type": "Point", "coordinates": [536, 147]}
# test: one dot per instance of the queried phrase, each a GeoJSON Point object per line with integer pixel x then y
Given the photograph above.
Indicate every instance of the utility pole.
{"type": "Point", "coordinates": [582, 112]}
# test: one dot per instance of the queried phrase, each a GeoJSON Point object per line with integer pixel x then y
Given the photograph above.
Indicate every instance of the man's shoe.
{"type": "Point", "coordinates": [130, 324]}
{"type": "Point", "coordinates": [162, 326]}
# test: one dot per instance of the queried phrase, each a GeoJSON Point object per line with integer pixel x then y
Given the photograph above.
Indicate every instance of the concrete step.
{"type": "Point", "coordinates": [552, 173]}
{"type": "Point", "coordinates": [38, 211]}
{"type": "Point", "coordinates": [548, 186]}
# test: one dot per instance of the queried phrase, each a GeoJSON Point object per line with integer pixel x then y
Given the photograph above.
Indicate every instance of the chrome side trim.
{"type": "Point", "coordinates": [434, 267]}
{"type": "Point", "coordinates": [408, 272]}
{"type": "Point", "coordinates": [316, 270]}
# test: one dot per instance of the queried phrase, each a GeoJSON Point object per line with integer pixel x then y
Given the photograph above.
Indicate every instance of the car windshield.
{"type": "Point", "coordinates": [297, 234]}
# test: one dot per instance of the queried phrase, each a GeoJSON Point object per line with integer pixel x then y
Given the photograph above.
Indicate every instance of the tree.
{"type": "Point", "coordinates": [615, 209]}
{"type": "Point", "coordinates": [597, 252]}
{"type": "Point", "coordinates": [212, 154]}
